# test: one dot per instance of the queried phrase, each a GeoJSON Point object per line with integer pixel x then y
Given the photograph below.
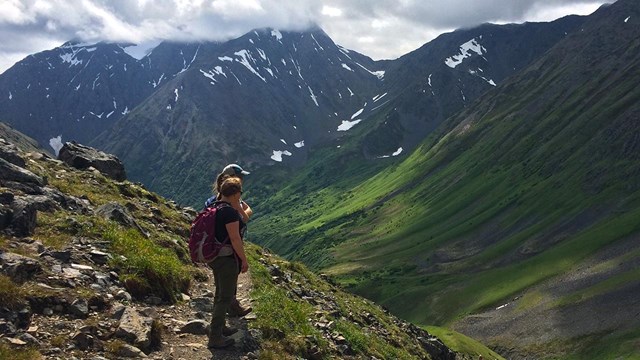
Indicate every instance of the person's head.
{"type": "Point", "coordinates": [231, 188]}
{"type": "Point", "coordinates": [234, 170]}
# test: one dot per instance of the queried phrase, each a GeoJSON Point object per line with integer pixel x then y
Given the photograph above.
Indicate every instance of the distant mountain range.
{"type": "Point", "coordinates": [181, 112]}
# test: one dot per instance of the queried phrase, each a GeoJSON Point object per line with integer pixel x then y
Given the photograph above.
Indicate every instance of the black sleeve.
{"type": "Point", "coordinates": [228, 215]}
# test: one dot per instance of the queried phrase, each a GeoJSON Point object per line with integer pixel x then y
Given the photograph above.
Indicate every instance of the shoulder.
{"type": "Point", "coordinates": [227, 212]}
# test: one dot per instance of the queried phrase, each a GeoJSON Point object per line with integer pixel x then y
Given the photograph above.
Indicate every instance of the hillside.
{"type": "Point", "coordinates": [92, 267]}
{"type": "Point", "coordinates": [515, 222]}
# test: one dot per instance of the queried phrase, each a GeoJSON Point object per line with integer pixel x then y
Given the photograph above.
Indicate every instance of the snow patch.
{"type": "Point", "coordinates": [346, 67]}
{"type": "Point", "coordinates": [225, 58]}
{"type": "Point", "coordinates": [313, 96]}
{"type": "Point", "coordinates": [465, 51]}
{"type": "Point", "coordinates": [245, 56]}
{"type": "Point", "coordinates": [284, 142]}
{"type": "Point", "coordinates": [70, 58]}
{"type": "Point", "coordinates": [10, 95]}
{"type": "Point", "coordinates": [627, 19]}
{"type": "Point", "coordinates": [378, 97]}
{"type": "Point", "coordinates": [395, 153]}
{"type": "Point", "coordinates": [56, 144]}
{"type": "Point", "coordinates": [277, 155]}
{"type": "Point", "coordinates": [357, 113]}
{"type": "Point", "coordinates": [277, 34]}
{"type": "Point", "coordinates": [176, 92]}
{"type": "Point", "coordinates": [346, 124]}
{"type": "Point", "coordinates": [299, 144]}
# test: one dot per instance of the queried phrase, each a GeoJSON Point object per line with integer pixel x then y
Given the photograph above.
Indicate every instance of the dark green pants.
{"type": "Point", "coordinates": [225, 274]}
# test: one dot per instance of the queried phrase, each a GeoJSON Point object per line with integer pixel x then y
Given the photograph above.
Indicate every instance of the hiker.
{"type": "Point", "coordinates": [228, 171]}
{"type": "Point", "coordinates": [233, 170]}
{"type": "Point", "coordinates": [225, 268]}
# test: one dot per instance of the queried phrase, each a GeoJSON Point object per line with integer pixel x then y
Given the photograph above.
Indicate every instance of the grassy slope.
{"type": "Point", "coordinates": [538, 176]}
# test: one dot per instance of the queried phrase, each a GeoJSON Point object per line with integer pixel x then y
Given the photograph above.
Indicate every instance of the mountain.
{"type": "Point", "coordinates": [515, 222]}
{"type": "Point", "coordinates": [183, 110]}
{"type": "Point", "coordinates": [100, 268]}
{"type": "Point", "coordinates": [77, 91]}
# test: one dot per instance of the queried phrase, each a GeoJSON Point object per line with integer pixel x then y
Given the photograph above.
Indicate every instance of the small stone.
{"type": "Point", "coordinates": [185, 297]}
{"type": "Point", "coordinates": [196, 327]}
{"type": "Point", "coordinates": [79, 308]}
{"type": "Point", "coordinates": [123, 295]}
{"type": "Point", "coordinates": [81, 267]}
{"type": "Point", "coordinates": [47, 311]}
{"type": "Point", "coordinates": [29, 339]}
{"type": "Point", "coordinates": [15, 341]}
{"type": "Point", "coordinates": [130, 351]}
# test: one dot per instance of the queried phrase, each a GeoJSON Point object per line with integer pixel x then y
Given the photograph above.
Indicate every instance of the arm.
{"type": "Point", "coordinates": [233, 229]}
{"type": "Point", "coordinates": [244, 210]}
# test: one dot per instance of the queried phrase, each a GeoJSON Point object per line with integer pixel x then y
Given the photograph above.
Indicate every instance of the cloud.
{"type": "Point", "coordinates": [380, 29]}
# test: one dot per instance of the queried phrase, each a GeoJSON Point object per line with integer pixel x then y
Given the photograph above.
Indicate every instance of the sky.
{"type": "Point", "coordinates": [381, 29]}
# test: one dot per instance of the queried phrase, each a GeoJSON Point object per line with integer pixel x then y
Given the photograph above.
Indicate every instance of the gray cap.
{"type": "Point", "coordinates": [234, 169]}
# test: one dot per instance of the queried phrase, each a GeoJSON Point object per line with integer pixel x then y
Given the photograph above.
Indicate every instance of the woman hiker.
{"type": "Point", "coordinates": [233, 170]}
{"type": "Point", "coordinates": [229, 224]}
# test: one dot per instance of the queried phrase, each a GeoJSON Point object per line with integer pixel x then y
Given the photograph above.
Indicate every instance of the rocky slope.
{"type": "Point", "coordinates": [91, 267]}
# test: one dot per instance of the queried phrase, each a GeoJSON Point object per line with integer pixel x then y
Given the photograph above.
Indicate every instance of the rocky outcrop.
{"type": "Point", "coordinates": [84, 157]}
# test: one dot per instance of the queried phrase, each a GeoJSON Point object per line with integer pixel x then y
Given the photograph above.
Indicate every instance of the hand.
{"type": "Point", "coordinates": [245, 266]}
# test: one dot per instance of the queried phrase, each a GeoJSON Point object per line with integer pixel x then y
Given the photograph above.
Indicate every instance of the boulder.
{"type": "Point", "coordinates": [17, 267]}
{"type": "Point", "coordinates": [5, 216]}
{"type": "Point", "coordinates": [12, 173]}
{"type": "Point", "coordinates": [135, 328]}
{"type": "Point", "coordinates": [9, 152]}
{"type": "Point", "coordinates": [196, 327]}
{"type": "Point", "coordinates": [128, 351]}
{"type": "Point", "coordinates": [83, 157]}
{"type": "Point", "coordinates": [118, 213]}
{"type": "Point", "coordinates": [23, 219]}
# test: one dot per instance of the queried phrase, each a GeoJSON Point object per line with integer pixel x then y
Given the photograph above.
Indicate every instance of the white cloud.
{"type": "Point", "coordinates": [380, 29]}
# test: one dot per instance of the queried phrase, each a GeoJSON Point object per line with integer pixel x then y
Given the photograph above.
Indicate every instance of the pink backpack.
{"type": "Point", "coordinates": [203, 245]}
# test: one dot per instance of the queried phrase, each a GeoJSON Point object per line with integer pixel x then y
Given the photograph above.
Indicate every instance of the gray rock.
{"type": "Point", "coordinates": [9, 152]}
{"type": "Point", "coordinates": [123, 295]}
{"type": "Point", "coordinates": [203, 304]}
{"type": "Point", "coordinates": [19, 268]}
{"type": "Point", "coordinates": [10, 173]}
{"type": "Point", "coordinates": [62, 255]}
{"type": "Point", "coordinates": [23, 220]}
{"type": "Point", "coordinates": [83, 340]}
{"type": "Point", "coordinates": [196, 327]}
{"type": "Point", "coordinates": [79, 308]}
{"type": "Point", "coordinates": [6, 215]}
{"type": "Point", "coordinates": [118, 213]}
{"type": "Point", "coordinates": [29, 339]}
{"type": "Point", "coordinates": [99, 257]}
{"type": "Point", "coordinates": [135, 328]}
{"type": "Point", "coordinates": [7, 328]}
{"type": "Point", "coordinates": [83, 157]}
{"type": "Point", "coordinates": [126, 350]}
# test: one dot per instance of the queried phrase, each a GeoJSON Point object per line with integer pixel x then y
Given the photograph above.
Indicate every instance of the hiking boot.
{"type": "Point", "coordinates": [228, 331]}
{"type": "Point", "coordinates": [236, 309]}
{"type": "Point", "coordinates": [220, 342]}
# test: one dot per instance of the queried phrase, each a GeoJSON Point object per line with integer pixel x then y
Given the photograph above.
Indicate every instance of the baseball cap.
{"type": "Point", "coordinates": [234, 169]}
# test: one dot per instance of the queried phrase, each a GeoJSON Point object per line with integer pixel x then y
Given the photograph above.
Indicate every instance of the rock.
{"type": "Point", "coordinates": [6, 215]}
{"type": "Point", "coordinates": [135, 329]}
{"type": "Point", "coordinates": [123, 295]}
{"type": "Point", "coordinates": [83, 340]}
{"type": "Point", "coordinates": [203, 304]}
{"type": "Point", "coordinates": [23, 220]}
{"type": "Point", "coordinates": [9, 152]}
{"type": "Point", "coordinates": [15, 341]}
{"type": "Point", "coordinates": [81, 267]}
{"type": "Point", "coordinates": [196, 327]}
{"type": "Point", "coordinates": [10, 173]}
{"type": "Point", "coordinates": [29, 339]}
{"type": "Point", "coordinates": [19, 268]}
{"type": "Point", "coordinates": [62, 255]}
{"type": "Point", "coordinates": [79, 308]}
{"type": "Point", "coordinates": [99, 257]}
{"type": "Point", "coordinates": [118, 213]}
{"type": "Point", "coordinates": [126, 350]}
{"type": "Point", "coordinates": [82, 157]}
{"type": "Point", "coordinates": [7, 328]}
{"type": "Point", "coordinates": [6, 198]}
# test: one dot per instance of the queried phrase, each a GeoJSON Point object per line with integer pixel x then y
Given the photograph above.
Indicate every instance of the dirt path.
{"type": "Point", "coordinates": [194, 347]}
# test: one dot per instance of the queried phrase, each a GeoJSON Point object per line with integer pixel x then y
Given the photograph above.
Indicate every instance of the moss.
{"type": "Point", "coordinates": [10, 353]}
{"type": "Point", "coordinates": [11, 294]}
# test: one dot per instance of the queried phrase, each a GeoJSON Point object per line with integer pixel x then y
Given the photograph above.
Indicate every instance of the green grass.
{"type": "Point", "coordinates": [11, 294]}
{"type": "Point", "coordinates": [147, 268]}
{"type": "Point", "coordinates": [12, 353]}
{"type": "Point", "coordinates": [463, 344]}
